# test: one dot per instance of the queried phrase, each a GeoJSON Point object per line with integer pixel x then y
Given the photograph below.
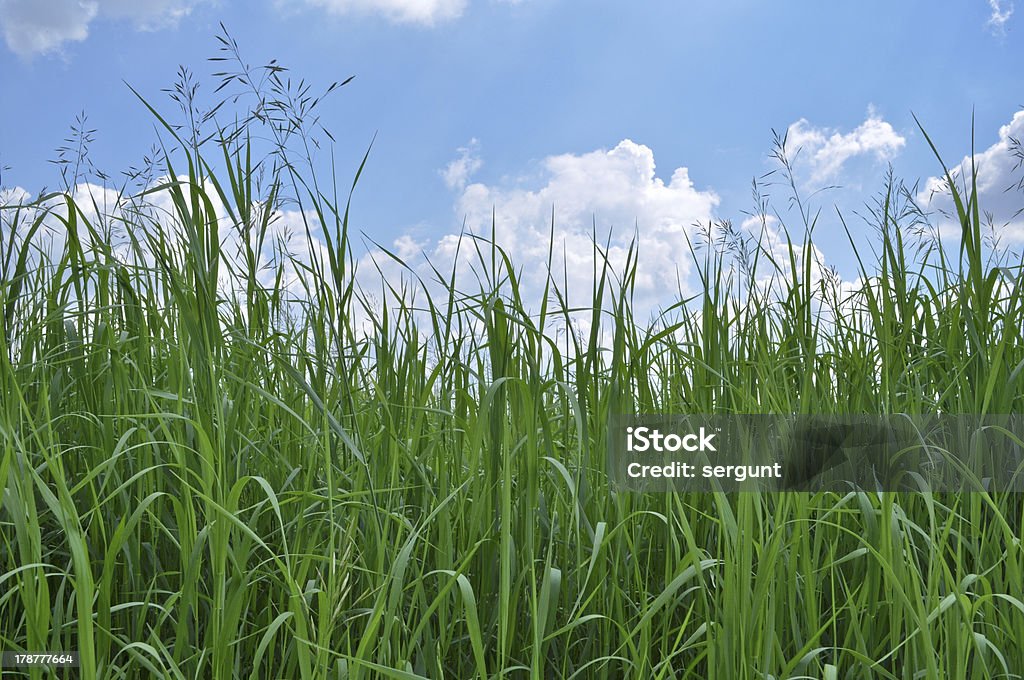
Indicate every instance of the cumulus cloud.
{"type": "Point", "coordinates": [293, 238]}
{"type": "Point", "coordinates": [1000, 15]}
{"type": "Point", "coordinates": [611, 196]}
{"type": "Point", "coordinates": [426, 12]}
{"type": "Point", "coordinates": [33, 27]}
{"type": "Point", "coordinates": [457, 173]}
{"type": "Point", "coordinates": [38, 27]}
{"type": "Point", "coordinates": [13, 196]}
{"type": "Point", "coordinates": [150, 15]}
{"type": "Point", "coordinates": [1000, 181]}
{"type": "Point", "coordinates": [825, 151]}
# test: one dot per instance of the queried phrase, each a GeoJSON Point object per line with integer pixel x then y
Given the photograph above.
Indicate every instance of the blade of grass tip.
{"type": "Point", "coordinates": [17, 277]}
{"type": "Point", "coordinates": [961, 210]}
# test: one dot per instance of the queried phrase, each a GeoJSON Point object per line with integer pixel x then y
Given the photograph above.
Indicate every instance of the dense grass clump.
{"type": "Point", "coordinates": [220, 464]}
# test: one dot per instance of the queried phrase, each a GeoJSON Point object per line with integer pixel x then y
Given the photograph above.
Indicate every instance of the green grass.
{"type": "Point", "coordinates": [204, 484]}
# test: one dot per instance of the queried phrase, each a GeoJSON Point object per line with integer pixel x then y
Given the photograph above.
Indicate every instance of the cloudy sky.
{"type": "Point", "coordinates": [635, 116]}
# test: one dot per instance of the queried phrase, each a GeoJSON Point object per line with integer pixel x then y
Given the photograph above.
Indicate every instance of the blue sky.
{"type": "Point", "coordinates": [528, 104]}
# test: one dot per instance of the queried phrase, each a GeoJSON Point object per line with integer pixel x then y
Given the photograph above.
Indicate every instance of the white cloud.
{"type": "Point", "coordinates": [589, 195]}
{"type": "Point", "coordinates": [426, 12]}
{"type": "Point", "coordinates": [999, 181]}
{"type": "Point", "coordinates": [14, 196]}
{"type": "Point", "coordinates": [110, 213]}
{"type": "Point", "coordinates": [825, 150]}
{"type": "Point", "coordinates": [1000, 15]}
{"type": "Point", "coordinates": [457, 173]}
{"type": "Point", "coordinates": [150, 15]}
{"type": "Point", "coordinates": [42, 26]}
{"type": "Point", "coordinates": [32, 27]}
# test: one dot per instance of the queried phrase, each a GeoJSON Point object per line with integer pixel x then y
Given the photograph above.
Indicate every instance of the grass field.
{"type": "Point", "coordinates": [215, 465]}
